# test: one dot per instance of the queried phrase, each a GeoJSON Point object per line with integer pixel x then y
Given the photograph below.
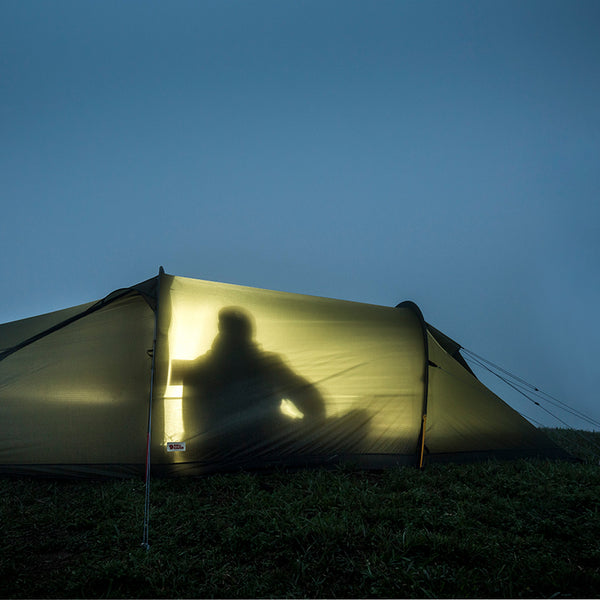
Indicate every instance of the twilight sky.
{"type": "Point", "coordinates": [376, 151]}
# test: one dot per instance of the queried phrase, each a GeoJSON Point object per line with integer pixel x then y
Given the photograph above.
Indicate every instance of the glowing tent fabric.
{"type": "Point", "coordinates": [243, 378]}
{"type": "Point", "coordinates": [75, 401]}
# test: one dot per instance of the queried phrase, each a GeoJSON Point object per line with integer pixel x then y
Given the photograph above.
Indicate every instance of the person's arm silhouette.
{"type": "Point", "coordinates": [298, 390]}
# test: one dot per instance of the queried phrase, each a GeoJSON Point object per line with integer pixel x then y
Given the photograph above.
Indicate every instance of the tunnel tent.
{"type": "Point", "coordinates": [187, 377]}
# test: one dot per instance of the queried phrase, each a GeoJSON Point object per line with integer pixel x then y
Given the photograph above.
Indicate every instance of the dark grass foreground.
{"type": "Point", "coordinates": [517, 529]}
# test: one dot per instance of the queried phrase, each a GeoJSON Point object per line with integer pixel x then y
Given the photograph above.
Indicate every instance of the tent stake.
{"type": "Point", "coordinates": [423, 424]}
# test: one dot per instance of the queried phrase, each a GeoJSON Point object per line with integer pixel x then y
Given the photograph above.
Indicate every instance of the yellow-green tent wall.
{"type": "Point", "coordinates": [76, 401]}
{"type": "Point", "coordinates": [243, 378]}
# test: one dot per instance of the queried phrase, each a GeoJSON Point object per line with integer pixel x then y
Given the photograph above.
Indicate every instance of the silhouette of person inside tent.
{"type": "Point", "coordinates": [234, 394]}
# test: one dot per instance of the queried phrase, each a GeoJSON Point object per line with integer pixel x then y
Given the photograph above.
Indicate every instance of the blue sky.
{"type": "Point", "coordinates": [443, 152]}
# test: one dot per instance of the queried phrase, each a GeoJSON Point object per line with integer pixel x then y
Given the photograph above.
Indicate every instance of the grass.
{"type": "Point", "coordinates": [527, 528]}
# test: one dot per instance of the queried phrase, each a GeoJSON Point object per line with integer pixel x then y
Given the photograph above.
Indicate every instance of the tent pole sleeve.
{"type": "Point", "coordinates": [421, 444]}
{"type": "Point", "coordinates": [145, 542]}
{"type": "Point", "coordinates": [100, 304]}
{"type": "Point", "coordinates": [112, 297]}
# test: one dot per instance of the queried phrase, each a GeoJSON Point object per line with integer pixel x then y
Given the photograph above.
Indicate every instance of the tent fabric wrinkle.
{"type": "Point", "coordinates": [243, 378]}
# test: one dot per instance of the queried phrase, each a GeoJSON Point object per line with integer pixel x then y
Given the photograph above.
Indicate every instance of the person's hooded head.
{"type": "Point", "coordinates": [235, 327]}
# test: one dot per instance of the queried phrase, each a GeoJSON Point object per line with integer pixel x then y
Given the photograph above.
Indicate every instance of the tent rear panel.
{"type": "Point", "coordinates": [466, 421]}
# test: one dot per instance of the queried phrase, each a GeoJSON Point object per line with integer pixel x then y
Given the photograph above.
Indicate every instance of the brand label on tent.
{"type": "Point", "coordinates": [176, 447]}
